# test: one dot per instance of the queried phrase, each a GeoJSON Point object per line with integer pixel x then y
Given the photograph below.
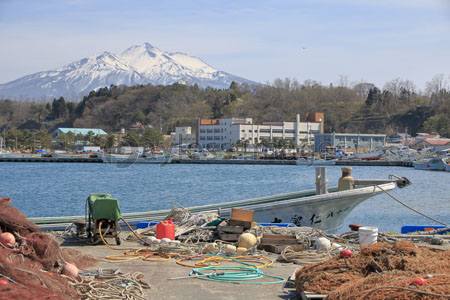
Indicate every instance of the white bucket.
{"type": "Point", "coordinates": [367, 236]}
{"type": "Point", "coordinates": [322, 244]}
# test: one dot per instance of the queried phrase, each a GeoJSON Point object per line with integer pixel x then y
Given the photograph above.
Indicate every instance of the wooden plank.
{"type": "Point", "coordinates": [279, 236]}
{"type": "Point", "coordinates": [229, 237]}
{"type": "Point", "coordinates": [231, 229]}
{"type": "Point", "coordinates": [242, 214]}
{"type": "Point", "coordinates": [311, 296]}
{"type": "Point", "coordinates": [277, 249]}
{"type": "Point", "coordinates": [278, 242]}
{"type": "Point", "coordinates": [244, 224]}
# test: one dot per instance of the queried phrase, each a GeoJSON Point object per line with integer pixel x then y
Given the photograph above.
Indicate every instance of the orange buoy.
{"type": "Point", "coordinates": [419, 281]}
{"type": "Point", "coordinates": [70, 270]}
{"type": "Point", "coordinates": [7, 239]}
{"type": "Point", "coordinates": [4, 282]}
{"type": "Point", "coordinates": [345, 253]}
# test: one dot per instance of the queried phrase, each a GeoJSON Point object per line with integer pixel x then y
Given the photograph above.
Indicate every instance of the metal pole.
{"type": "Point", "coordinates": [321, 180]}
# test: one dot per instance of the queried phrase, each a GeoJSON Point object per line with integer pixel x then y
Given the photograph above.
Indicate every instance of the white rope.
{"type": "Point", "coordinates": [409, 207]}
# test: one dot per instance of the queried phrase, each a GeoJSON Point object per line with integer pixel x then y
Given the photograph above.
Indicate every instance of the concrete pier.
{"type": "Point", "coordinates": [374, 163]}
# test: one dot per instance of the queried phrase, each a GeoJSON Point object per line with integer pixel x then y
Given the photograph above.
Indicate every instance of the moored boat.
{"type": "Point", "coordinates": [315, 162]}
{"type": "Point", "coordinates": [135, 158]}
{"type": "Point", "coordinates": [433, 164]}
{"type": "Point", "coordinates": [323, 210]}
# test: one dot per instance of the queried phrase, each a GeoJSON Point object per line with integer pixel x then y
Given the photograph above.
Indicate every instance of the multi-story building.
{"type": "Point", "coordinates": [348, 141]}
{"type": "Point", "coordinates": [183, 136]}
{"type": "Point", "coordinates": [223, 133]}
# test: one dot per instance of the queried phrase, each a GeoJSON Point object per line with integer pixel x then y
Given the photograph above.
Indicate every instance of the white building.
{"type": "Point", "coordinates": [223, 133]}
{"type": "Point", "coordinates": [183, 136]}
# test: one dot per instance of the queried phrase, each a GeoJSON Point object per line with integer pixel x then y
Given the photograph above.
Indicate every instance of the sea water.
{"type": "Point", "coordinates": [60, 189]}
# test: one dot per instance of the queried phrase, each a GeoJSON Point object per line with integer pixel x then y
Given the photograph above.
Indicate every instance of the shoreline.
{"type": "Point", "coordinates": [377, 163]}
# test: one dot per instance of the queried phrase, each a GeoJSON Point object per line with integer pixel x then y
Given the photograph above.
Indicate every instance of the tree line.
{"type": "Point", "coordinates": [398, 106]}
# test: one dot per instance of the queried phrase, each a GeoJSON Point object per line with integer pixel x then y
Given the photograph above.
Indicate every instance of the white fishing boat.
{"type": "Point", "coordinates": [369, 155]}
{"type": "Point", "coordinates": [322, 208]}
{"type": "Point", "coordinates": [433, 164]}
{"type": "Point", "coordinates": [315, 162]}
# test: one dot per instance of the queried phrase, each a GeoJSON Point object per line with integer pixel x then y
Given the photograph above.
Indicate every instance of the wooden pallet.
{"type": "Point", "coordinates": [311, 296]}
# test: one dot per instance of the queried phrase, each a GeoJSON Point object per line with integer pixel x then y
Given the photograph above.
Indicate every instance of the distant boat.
{"type": "Point", "coordinates": [433, 164]}
{"type": "Point", "coordinates": [370, 155]}
{"type": "Point", "coordinates": [315, 162]}
{"type": "Point", "coordinates": [135, 158]}
{"type": "Point", "coordinates": [325, 211]}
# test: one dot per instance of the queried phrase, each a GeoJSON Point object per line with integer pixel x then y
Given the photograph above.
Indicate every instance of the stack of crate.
{"type": "Point", "coordinates": [277, 243]}
{"type": "Point", "coordinates": [241, 219]}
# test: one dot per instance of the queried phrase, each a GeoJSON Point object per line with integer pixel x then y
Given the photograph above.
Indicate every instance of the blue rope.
{"type": "Point", "coordinates": [236, 275]}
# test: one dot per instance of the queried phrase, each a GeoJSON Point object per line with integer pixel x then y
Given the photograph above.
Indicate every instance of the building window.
{"type": "Point", "coordinates": [289, 131]}
{"type": "Point", "coordinates": [265, 130]}
{"type": "Point", "coordinates": [210, 138]}
{"type": "Point", "coordinates": [216, 130]}
{"type": "Point", "coordinates": [277, 130]}
{"type": "Point", "coordinates": [202, 138]}
{"type": "Point", "coordinates": [243, 130]}
{"type": "Point", "coordinates": [209, 130]}
{"type": "Point", "coordinates": [202, 130]}
{"type": "Point", "coordinates": [217, 138]}
{"type": "Point", "coordinates": [249, 130]}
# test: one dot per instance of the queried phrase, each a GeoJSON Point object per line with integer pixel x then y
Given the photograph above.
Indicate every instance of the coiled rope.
{"type": "Point", "coordinates": [241, 274]}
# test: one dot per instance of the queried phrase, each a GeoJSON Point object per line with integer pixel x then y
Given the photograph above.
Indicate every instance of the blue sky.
{"type": "Point", "coordinates": [373, 41]}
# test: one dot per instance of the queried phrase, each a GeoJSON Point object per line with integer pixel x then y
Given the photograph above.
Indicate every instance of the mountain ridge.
{"type": "Point", "coordinates": [138, 64]}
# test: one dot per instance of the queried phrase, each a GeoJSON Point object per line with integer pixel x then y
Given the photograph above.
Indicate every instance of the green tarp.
{"type": "Point", "coordinates": [103, 206]}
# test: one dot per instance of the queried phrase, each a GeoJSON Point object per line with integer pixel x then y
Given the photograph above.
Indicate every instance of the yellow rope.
{"type": "Point", "coordinates": [148, 255]}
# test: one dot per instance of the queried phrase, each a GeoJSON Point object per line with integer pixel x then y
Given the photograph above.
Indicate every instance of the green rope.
{"type": "Point", "coordinates": [236, 275]}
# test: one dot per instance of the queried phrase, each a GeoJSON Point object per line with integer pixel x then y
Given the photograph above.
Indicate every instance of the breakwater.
{"type": "Point", "coordinates": [376, 163]}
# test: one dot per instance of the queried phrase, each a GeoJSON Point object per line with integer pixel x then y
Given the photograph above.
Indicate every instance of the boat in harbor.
{"type": "Point", "coordinates": [369, 155]}
{"type": "Point", "coordinates": [135, 158]}
{"type": "Point", "coordinates": [432, 164]}
{"type": "Point", "coordinates": [315, 162]}
{"type": "Point", "coordinates": [324, 208]}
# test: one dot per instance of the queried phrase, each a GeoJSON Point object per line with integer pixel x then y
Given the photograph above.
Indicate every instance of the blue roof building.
{"type": "Point", "coordinates": [83, 131]}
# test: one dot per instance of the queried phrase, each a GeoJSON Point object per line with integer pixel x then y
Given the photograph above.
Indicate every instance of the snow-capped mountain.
{"type": "Point", "coordinates": [141, 64]}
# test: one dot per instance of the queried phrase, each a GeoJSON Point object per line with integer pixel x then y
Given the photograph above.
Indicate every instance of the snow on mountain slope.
{"type": "Point", "coordinates": [140, 64]}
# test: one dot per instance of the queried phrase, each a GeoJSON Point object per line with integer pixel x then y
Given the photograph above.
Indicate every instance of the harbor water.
{"type": "Point", "coordinates": [60, 189]}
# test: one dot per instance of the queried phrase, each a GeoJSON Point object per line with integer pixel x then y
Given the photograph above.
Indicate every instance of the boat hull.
{"type": "Point", "coordinates": [434, 164]}
{"type": "Point", "coordinates": [325, 211]}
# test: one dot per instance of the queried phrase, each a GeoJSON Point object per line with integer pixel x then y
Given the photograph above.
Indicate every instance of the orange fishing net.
{"type": "Point", "coordinates": [33, 266]}
{"type": "Point", "coordinates": [380, 271]}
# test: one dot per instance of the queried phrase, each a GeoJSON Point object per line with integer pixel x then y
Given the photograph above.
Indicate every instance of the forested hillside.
{"type": "Point", "coordinates": [362, 107]}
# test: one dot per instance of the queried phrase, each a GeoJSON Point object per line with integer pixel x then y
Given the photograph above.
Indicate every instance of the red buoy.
{"type": "Point", "coordinates": [419, 281]}
{"type": "Point", "coordinates": [165, 229]}
{"type": "Point", "coordinates": [4, 282]}
{"type": "Point", "coordinates": [345, 253]}
{"type": "Point", "coordinates": [7, 239]}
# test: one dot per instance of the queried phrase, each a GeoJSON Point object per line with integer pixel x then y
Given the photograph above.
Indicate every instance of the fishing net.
{"type": "Point", "coordinates": [12, 220]}
{"type": "Point", "coordinates": [380, 271]}
{"type": "Point", "coordinates": [33, 266]}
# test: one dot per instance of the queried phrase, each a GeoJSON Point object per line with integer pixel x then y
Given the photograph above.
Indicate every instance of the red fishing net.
{"type": "Point", "coordinates": [33, 266]}
{"type": "Point", "coordinates": [380, 271]}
